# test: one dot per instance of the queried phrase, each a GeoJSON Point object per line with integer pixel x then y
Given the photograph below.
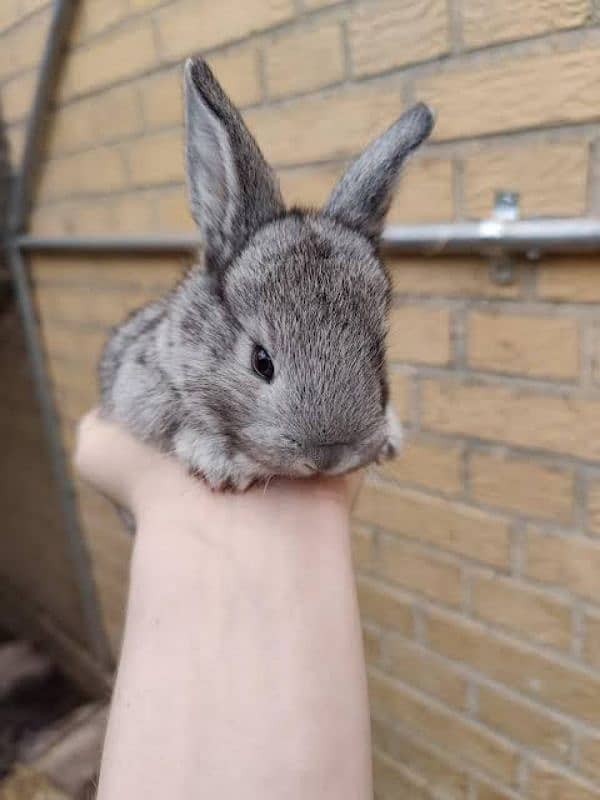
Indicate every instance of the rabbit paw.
{"type": "Point", "coordinates": [393, 443]}
{"type": "Point", "coordinates": [205, 459]}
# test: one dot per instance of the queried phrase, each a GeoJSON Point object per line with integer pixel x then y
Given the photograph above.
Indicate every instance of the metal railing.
{"type": "Point", "coordinates": [18, 218]}
{"type": "Point", "coordinates": [531, 238]}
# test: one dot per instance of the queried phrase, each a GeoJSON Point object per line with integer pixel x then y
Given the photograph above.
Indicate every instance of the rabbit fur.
{"type": "Point", "coordinates": [304, 288]}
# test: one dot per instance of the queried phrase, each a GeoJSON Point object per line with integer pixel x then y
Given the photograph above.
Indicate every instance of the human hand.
{"type": "Point", "coordinates": [139, 477]}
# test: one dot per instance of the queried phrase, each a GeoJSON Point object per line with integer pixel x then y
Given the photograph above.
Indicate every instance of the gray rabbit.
{"type": "Point", "coordinates": [269, 359]}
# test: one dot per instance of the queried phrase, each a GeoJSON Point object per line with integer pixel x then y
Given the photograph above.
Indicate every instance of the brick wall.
{"type": "Point", "coordinates": [478, 552]}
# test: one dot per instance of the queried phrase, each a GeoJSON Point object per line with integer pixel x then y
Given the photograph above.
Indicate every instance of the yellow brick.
{"type": "Point", "coordinates": [156, 159]}
{"type": "Point", "coordinates": [363, 548]}
{"type": "Point", "coordinates": [552, 682]}
{"type": "Point", "coordinates": [592, 639]}
{"type": "Point", "coordinates": [109, 116]}
{"type": "Point", "coordinates": [123, 273]}
{"type": "Point", "coordinates": [75, 378]}
{"type": "Point", "coordinates": [72, 405]}
{"type": "Point", "coordinates": [424, 193]}
{"type": "Point", "coordinates": [309, 186]}
{"type": "Point", "coordinates": [122, 54]}
{"type": "Point", "coordinates": [528, 612]}
{"type": "Point", "coordinates": [372, 645]}
{"type": "Point", "coordinates": [400, 389]}
{"type": "Point", "coordinates": [414, 665]}
{"type": "Point", "coordinates": [522, 92]}
{"type": "Point", "coordinates": [330, 125]}
{"type": "Point", "coordinates": [433, 466]}
{"type": "Point", "coordinates": [454, 734]}
{"type": "Point", "coordinates": [419, 334]}
{"type": "Point", "coordinates": [522, 485]}
{"type": "Point", "coordinates": [27, 6]}
{"type": "Point", "coordinates": [98, 170]}
{"type": "Point", "coordinates": [449, 525]}
{"type": "Point", "coordinates": [502, 20]}
{"type": "Point", "coordinates": [589, 756]}
{"type": "Point", "coordinates": [16, 96]}
{"type": "Point", "coordinates": [304, 60]}
{"type": "Point", "coordinates": [443, 776]}
{"type": "Point", "coordinates": [134, 213]}
{"type": "Point", "coordinates": [87, 306]}
{"type": "Point", "coordinates": [572, 279]}
{"type": "Point", "coordinates": [563, 424]}
{"type": "Point", "coordinates": [88, 216]}
{"type": "Point", "coordinates": [547, 782]}
{"type": "Point", "coordinates": [174, 210]}
{"type": "Point", "coordinates": [523, 722]}
{"type": "Point", "coordinates": [94, 16]}
{"type": "Point", "coordinates": [162, 99]}
{"type": "Point", "coordinates": [384, 606]}
{"type": "Point", "coordinates": [406, 565]}
{"type": "Point", "coordinates": [571, 562]}
{"type": "Point", "coordinates": [47, 220]}
{"type": "Point", "coordinates": [485, 791]}
{"type": "Point", "coordinates": [237, 71]}
{"type": "Point", "coordinates": [446, 276]}
{"type": "Point", "coordinates": [319, 3]}
{"type": "Point", "coordinates": [387, 33]}
{"type": "Point", "coordinates": [10, 12]}
{"type": "Point", "coordinates": [542, 347]}
{"type": "Point", "coordinates": [190, 26]}
{"type": "Point", "coordinates": [23, 46]}
{"type": "Point", "coordinates": [63, 343]}
{"type": "Point", "coordinates": [392, 780]}
{"type": "Point", "coordinates": [550, 178]}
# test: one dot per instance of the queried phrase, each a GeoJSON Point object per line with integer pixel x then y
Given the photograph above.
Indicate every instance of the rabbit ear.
{"type": "Point", "coordinates": [232, 189]}
{"type": "Point", "coordinates": [363, 195]}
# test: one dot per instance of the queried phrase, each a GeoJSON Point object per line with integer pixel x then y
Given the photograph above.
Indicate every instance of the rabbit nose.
{"type": "Point", "coordinates": [324, 456]}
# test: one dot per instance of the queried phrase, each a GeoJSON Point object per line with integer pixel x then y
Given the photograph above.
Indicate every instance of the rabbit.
{"type": "Point", "coordinates": [270, 358]}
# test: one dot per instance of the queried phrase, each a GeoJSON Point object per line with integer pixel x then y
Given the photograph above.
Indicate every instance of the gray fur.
{"type": "Point", "coordinates": [309, 287]}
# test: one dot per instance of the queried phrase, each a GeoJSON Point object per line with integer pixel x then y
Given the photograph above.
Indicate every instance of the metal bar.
{"type": "Point", "coordinates": [21, 199]}
{"type": "Point", "coordinates": [168, 243]}
{"type": "Point", "coordinates": [76, 549]}
{"type": "Point", "coordinates": [489, 237]}
{"type": "Point", "coordinates": [18, 218]}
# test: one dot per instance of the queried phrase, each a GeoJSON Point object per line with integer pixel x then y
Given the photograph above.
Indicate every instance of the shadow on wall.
{"type": "Point", "coordinates": [38, 592]}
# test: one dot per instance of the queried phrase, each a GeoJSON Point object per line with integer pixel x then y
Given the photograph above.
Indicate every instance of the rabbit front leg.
{"type": "Point", "coordinates": [205, 455]}
{"type": "Point", "coordinates": [395, 436]}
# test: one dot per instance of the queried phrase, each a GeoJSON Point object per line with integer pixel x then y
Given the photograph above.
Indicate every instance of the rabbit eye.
{"type": "Point", "coordinates": [261, 363]}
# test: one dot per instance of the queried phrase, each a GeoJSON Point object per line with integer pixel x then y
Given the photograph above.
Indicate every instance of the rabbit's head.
{"type": "Point", "coordinates": [286, 349]}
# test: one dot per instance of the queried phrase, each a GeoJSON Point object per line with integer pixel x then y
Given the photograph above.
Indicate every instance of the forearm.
{"type": "Point", "coordinates": [242, 670]}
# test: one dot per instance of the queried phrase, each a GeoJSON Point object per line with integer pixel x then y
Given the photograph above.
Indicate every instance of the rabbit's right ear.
{"type": "Point", "coordinates": [232, 189]}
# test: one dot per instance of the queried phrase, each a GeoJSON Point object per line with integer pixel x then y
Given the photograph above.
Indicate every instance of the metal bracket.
{"type": "Point", "coordinates": [502, 264]}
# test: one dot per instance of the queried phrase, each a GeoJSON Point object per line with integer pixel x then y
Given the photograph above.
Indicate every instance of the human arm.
{"type": "Point", "coordinates": [242, 671]}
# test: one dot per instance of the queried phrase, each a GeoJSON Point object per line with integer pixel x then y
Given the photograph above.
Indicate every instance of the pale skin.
{"type": "Point", "coordinates": [242, 672]}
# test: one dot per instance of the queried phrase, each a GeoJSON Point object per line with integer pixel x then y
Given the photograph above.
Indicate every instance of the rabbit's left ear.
{"type": "Point", "coordinates": [233, 191]}
{"type": "Point", "coordinates": [362, 198]}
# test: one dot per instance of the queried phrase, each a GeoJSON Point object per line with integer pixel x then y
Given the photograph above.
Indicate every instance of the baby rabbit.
{"type": "Point", "coordinates": [269, 359]}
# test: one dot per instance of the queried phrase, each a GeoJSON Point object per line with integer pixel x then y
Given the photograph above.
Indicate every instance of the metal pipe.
{"type": "Point", "coordinates": [18, 217]}
{"type": "Point", "coordinates": [76, 548]}
{"type": "Point", "coordinates": [490, 237]}
{"type": "Point", "coordinates": [167, 243]}
{"type": "Point", "coordinates": [21, 199]}
{"type": "Point", "coordinates": [531, 238]}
